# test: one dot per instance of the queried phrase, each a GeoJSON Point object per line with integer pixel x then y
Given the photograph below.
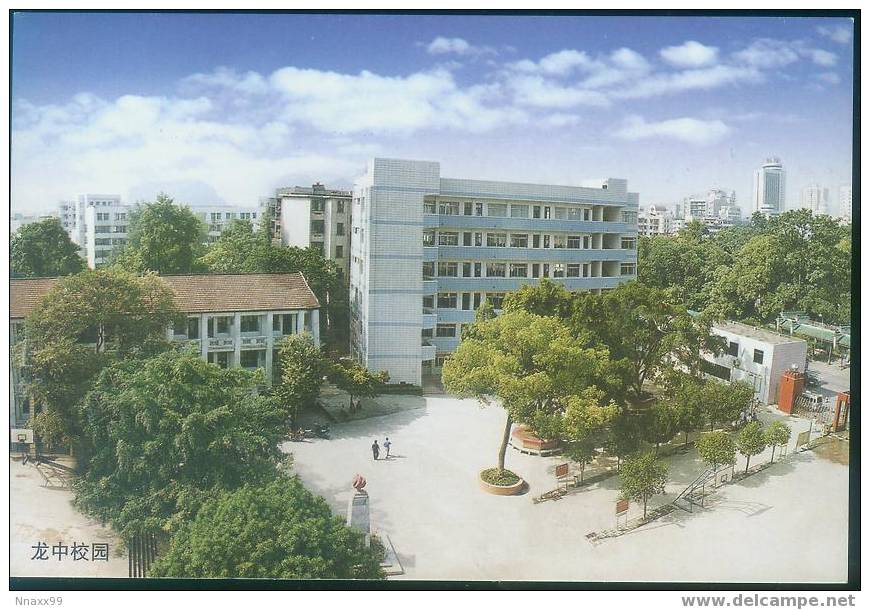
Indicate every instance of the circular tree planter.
{"type": "Point", "coordinates": [500, 489]}
{"type": "Point", "coordinates": [526, 441]}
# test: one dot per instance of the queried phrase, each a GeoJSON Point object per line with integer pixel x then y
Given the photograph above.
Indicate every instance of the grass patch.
{"type": "Point", "coordinates": [494, 476]}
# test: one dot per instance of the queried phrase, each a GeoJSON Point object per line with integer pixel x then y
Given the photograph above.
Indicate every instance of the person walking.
{"type": "Point", "coordinates": [376, 450]}
{"type": "Point", "coordinates": [387, 445]}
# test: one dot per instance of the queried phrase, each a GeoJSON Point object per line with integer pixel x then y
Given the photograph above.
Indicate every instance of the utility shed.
{"type": "Point", "coordinates": [757, 356]}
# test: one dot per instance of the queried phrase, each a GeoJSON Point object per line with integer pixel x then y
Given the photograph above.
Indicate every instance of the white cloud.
{"type": "Point", "coordinates": [458, 46]}
{"type": "Point", "coordinates": [839, 33]}
{"type": "Point", "coordinates": [689, 80]}
{"type": "Point", "coordinates": [560, 119]}
{"type": "Point", "coordinates": [223, 77]}
{"type": "Point", "coordinates": [542, 93]}
{"type": "Point", "coordinates": [832, 78]}
{"type": "Point", "coordinates": [690, 54]}
{"type": "Point", "coordinates": [560, 63]}
{"type": "Point", "coordinates": [768, 53]}
{"type": "Point", "coordinates": [686, 129]}
{"type": "Point", "coordinates": [820, 57]}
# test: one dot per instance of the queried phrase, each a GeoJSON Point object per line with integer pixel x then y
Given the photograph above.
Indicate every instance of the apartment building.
{"type": "Point", "coordinates": [314, 216]}
{"type": "Point", "coordinates": [105, 228]}
{"type": "Point", "coordinates": [231, 320]}
{"type": "Point", "coordinates": [216, 218]}
{"type": "Point", "coordinates": [426, 251]}
{"type": "Point", "coordinates": [654, 220]}
{"type": "Point", "coordinates": [768, 192]}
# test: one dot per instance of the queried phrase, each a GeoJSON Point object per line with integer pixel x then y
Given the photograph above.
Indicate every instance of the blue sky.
{"type": "Point", "coordinates": [224, 108]}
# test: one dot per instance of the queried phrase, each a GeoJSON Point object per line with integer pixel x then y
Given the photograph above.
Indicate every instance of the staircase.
{"type": "Point", "coordinates": [687, 495]}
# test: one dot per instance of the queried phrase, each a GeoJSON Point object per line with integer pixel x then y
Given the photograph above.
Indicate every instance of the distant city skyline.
{"type": "Point", "coordinates": [216, 109]}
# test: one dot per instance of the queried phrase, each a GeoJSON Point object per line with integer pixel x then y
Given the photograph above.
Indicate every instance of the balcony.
{"type": "Point", "coordinates": [430, 286]}
{"type": "Point", "coordinates": [430, 318]}
{"type": "Point", "coordinates": [427, 351]}
{"type": "Point", "coordinates": [541, 225]}
{"type": "Point", "coordinates": [221, 343]}
{"type": "Point", "coordinates": [253, 342]}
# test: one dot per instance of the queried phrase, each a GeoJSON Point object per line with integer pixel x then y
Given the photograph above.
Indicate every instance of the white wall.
{"type": "Point", "coordinates": [296, 221]}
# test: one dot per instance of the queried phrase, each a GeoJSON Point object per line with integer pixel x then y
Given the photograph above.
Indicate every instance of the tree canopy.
{"type": "Point", "coordinates": [160, 432]}
{"type": "Point", "coordinates": [43, 249]}
{"type": "Point", "coordinates": [775, 435]}
{"type": "Point", "coordinates": [85, 322]}
{"type": "Point", "coordinates": [163, 237]}
{"type": "Point", "coordinates": [751, 441]}
{"type": "Point", "coordinates": [530, 363]}
{"type": "Point", "coordinates": [279, 530]}
{"type": "Point", "coordinates": [716, 449]}
{"type": "Point", "coordinates": [641, 478]}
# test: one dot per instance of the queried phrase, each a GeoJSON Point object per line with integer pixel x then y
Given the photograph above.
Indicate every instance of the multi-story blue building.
{"type": "Point", "coordinates": [426, 251]}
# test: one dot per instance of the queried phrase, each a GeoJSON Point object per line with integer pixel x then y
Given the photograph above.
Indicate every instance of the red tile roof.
{"type": "Point", "coordinates": [197, 293]}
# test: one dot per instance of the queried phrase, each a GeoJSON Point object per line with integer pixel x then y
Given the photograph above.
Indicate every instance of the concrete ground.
{"type": "Point", "coordinates": [786, 524]}
{"type": "Point", "coordinates": [40, 514]}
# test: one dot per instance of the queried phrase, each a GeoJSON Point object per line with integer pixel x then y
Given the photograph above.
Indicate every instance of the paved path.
{"type": "Point", "coordinates": [39, 514]}
{"type": "Point", "coordinates": [786, 524]}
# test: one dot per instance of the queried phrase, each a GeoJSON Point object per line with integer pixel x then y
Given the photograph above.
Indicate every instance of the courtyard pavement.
{"type": "Point", "coordinates": [787, 523]}
{"type": "Point", "coordinates": [41, 514]}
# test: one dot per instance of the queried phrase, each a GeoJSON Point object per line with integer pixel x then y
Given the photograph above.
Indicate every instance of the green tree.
{"type": "Point", "coordinates": [625, 436]}
{"type": "Point", "coordinates": [85, 322]}
{"type": "Point", "coordinates": [278, 530]}
{"type": "Point", "coordinates": [716, 449]}
{"type": "Point", "coordinates": [163, 237]}
{"type": "Point", "coordinates": [642, 477]}
{"type": "Point", "coordinates": [751, 441]}
{"type": "Point", "coordinates": [547, 298]}
{"type": "Point", "coordinates": [724, 403]}
{"type": "Point", "coordinates": [531, 363]}
{"type": "Point", "coordinates": [639, 325]}
{"type": "Point", "coordinates": [662, 423]}
{"type": "Point", "coordinates": [583, 424]}
{"type": "Point", "coordinates": [357, 380]}
{"type": "Point", "coordinates": [161, 432]}
{"type": "Point", "coordinates": [43, 249]}
{"type": "Point", "coordinates": [303, 368]}
{"type": "Point", "coordinates": [239, 249]}
{"type": "Point", "coordinates": [687, 399]}
{"type": "Point", "coordinates": [776, 435]}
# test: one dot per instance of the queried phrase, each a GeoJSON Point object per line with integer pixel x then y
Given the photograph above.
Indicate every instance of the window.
{"type": "Point", "coordinates": [429, 301]}
{"type": "Point", "coordinates": [497, 209]}
{"type": "Point", "coordinates": [120, 229]}
{"type": "Point", "coordinates": [575, 214]}
{"type": "Point", "coordinates": [558, 241]}
{"type": "Point", "coordinates": [536, 211]}
{"type": "Point", "coordinates": [468, 208]}
{"type": "Point", "coordinates": [250, 324]}
{"type": "Point", "coordinates": [629, 217]}
{"type": "Point", "coordinates": [477, 270]}
{"type": "Point", "coordinates": [545, 270]}
{"type": "Point", "coordinates": [339, 252]}
{"type": "Point", "coordinates": [476, 300]}
{"type": "Point", "coordinates": [536, 270]}
{"type": "Point", "coordinates": [758, 356]}
{"type": "Point", "coordinates": [519, 211]}
{"type": "Point", "coordinates": [496, 269]}
{"type": "Point", "coordinates": [546, 211]}
{"type": "Point", "coordinates": [573, 270]}
{"type": "Point", "coordinates": [219, 325]}
{"type": "Point", "coordinates": [478, 239]}
{"type": "Point", "coordinates": [628, 243]}
{"type": "Point", "coordinates": [627, 269]}
{"type": "Point", "coordinates": [180, 327]}
{"type": "Point", "coordinates": [448, 238]}
{"type": "Point", "coordinates": [585, 242]}
{"type": "Point", "coordinates": [519, 240]}
{"type": "Point", "coordinates": [478, 209]}
{"type": "Point", "coordinates": [559, 213]}
{"type": "Point", "coordinates": [732, 348]}
{"type": "Point", "coordinates": [339, 228]}
{"type": "Point", "coordinates": [716, 370]}
{"type": "Point", "coordinates": [546, 241]}
{"type": "Point", "coordinates": [445, 330]}
{"type": "Point", "coordinates": [496, 240]}
{"type": "Point", "coordinates": [536, 241]}
{"type": "Point", "coordinates": [428, 270]}
{"type": "Point", "coordinates": [288, 323]}
{"type": "Point", "coordinates": [574, 241]}
{"type": "Point", "coordinates": [495, 298]}
{"type": "Point", "coordinates": [466, 269]}
{"type": "Point", "coordinates": [586, 214]}
{"type": "Point", "coordinates": [426, 333]}
{"type": "Point", "coordinates": [339, 207]}
{"type": "Point", "coordinates": [222, 359]}
{"type": "Point", "coordinates": [249, 359]}
{"type": "Point", "coordinates": [446, 300]}
{"type": "Point", "coordinates": [317, 205]}
{"type": "Point", "coordinates": [317, 226]}
{"type": "Point", "coordinates": [466, 301]}
{"type": "Point", "coordinates": [428, 238]}
{"type": "Point", "coordinates": [276, 324]}
{"type": "Point", "coordinates": [519, 270]}
{"type": "Point", "coordinates": [215, 216]}
{"type": "Point", "coordinates": [466, 239]}
{"type": "Point", "coordinates": [102, 228]}
{"type": "Point", "coordinates": [558, 270]}
{"type": "Point", "coordinates": [448, 208]}
{"type": "Point", "coordinates": [121, 216]}
{"type": "Point", "coordinates": [448, 269]}
{"type": "Point", "coordinates": [429, 207]}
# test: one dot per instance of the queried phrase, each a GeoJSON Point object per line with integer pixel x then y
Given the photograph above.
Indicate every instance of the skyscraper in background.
{"type": "Point", "coordinates": [768, 192]}
{"type": "Point", "coordinates": [846, 202]}
{"type": "Point", "coordinates": [815, 199]}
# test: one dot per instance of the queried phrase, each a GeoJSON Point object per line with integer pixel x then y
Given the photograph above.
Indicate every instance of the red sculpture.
{"type": "Point", "coordinates": [359, 482]}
